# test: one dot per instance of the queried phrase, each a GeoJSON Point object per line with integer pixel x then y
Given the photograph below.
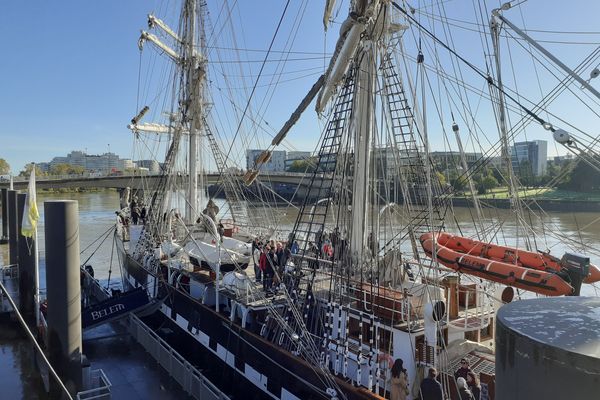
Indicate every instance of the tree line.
{"type": "Point", "coordinates": [55, 170]}
{"type": "Point", "coordinates": [570, 174]}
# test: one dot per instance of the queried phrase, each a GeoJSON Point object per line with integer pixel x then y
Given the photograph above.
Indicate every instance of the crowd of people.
{"type": "Point", "coordinates": [467, 383]}
{"type": "Point", "coordinates": [138, 211]}
{"type": "Point", "coordinates": [270, 259]}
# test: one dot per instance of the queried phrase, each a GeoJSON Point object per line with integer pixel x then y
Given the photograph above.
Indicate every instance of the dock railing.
{"type": "Point", "coordinates": [191, 379]}
{"type": "Point", "coordinates": [100, 387]}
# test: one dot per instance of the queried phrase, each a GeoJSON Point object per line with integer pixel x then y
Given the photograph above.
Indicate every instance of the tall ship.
{"type": "Point", "coordinates": [375, 268]}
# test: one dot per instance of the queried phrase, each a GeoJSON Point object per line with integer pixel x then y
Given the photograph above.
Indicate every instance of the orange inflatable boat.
{"type": "Point", "coordinates": [537, 272]}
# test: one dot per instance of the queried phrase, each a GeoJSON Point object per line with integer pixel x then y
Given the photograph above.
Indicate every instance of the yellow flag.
{"type": "Point", "coordinates": [30, 214]}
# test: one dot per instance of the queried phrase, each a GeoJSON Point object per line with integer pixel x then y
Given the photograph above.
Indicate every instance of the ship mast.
{"type": "Point", "coordinates": [363, 124]}
{"type": "Point", "coordinates": [363, 131]}
{"type": "Point", "coordinates": [195, 66]}
{"type": "Point", "coordinates": [190, 58]}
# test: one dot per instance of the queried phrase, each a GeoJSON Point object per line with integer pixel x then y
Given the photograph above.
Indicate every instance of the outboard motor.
{"type": "Point", "coordinates": [577, 267]}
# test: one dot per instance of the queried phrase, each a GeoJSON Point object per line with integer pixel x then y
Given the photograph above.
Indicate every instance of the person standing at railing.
{"type": "Point", "coordinates": [256, 256]}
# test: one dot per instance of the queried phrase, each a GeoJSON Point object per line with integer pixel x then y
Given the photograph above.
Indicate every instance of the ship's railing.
{"type": "Point", "coordinates": [190, 378]}
{"type": "Point", "coordinates": [386, 303]}
{"type": "Point", "coordinates": [469, 308]}
{"type": "Point", "coordinates": [100, 387]}
{"type": "Point", "coordinates": [10, 271]}
{"type": "Point", "coordinates": [93, 291]}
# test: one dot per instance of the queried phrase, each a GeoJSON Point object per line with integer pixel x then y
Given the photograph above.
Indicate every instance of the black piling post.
{"type": "Point", "coordinates": [548, 348]}
{"type": "Point", "coordinates": [4, 199]}
{"type": "Point", "coordinates": [63, 290]}
{"type": "Point", "coordinates": [13, 229]}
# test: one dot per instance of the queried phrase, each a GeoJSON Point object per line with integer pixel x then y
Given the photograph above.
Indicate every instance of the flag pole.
{"type": "Point", "coordinates": [29, 230]}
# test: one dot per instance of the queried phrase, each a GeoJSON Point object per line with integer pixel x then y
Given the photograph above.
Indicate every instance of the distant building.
{"type": "Point", "coordinates": [532, 155]}
{"type": "Point", "coordinates": [560, 160]}
{"type": "Point", "coordinates": [73, 158]}
{"type": "Point", "coordinates": [275, 164]}
{"type": "Point", "coordinates": [495, 161]}
{"type": "Point", "coordinates": [152, 165]}
{"type": "Point", "coordinates": [453, 158]}
{"type": "Point", "coordinates": [127, 164]}
{"type": "Point", "coordinates": [106, 163]}
{"type": "Point", "coordinates": [296, 156]}
{"type": "Point", "coordinates": [43, 166]}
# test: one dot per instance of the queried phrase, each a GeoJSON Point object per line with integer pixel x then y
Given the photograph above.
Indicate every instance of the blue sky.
{"type": "Point", "coordinates": [69, 69]}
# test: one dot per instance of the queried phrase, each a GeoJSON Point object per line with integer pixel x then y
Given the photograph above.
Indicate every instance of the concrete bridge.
{"type": "Point", "coordinates": [147, 181]}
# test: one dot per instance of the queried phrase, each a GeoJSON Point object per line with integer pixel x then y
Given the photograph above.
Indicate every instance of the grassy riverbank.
{"type": "Point", "coordinates": [542, 193]}
{"type": "Point", "coordinates": [75, 190]}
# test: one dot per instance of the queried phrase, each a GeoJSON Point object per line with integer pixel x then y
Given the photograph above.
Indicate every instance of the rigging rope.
{"type": "Point", "coordinates": [488, 78]}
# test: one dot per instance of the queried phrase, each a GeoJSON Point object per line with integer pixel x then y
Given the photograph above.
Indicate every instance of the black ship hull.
{"type": "Point", "coordinates": [238, 359]}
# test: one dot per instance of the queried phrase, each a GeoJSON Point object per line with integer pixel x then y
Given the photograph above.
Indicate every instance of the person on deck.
{"type": "Point", "coordinates": [143, 215]}
{"type": "Point", "coordinates": [221, 231]}
{"type": "Point", "coordinates": [135, 215]}
{"type": "Point", "coordinates": [431, 389]}
{"type": "Point", "coordinates": [295, 247]}
{"type": "Point", "coordinates": [262, 263]}
{"type": "Point", "coordinates": [256, 255]}
{"type": "Point", "coordinates": [313, 252]}
{"type": "Point", "coordinates": [399, 381]}
{"type": "Point", "coordinates": [474, 385]}
{"type": "Point", "coordinates": [327, 250]}
{"type": "Point", "coordinates": [269, 271]}
{"type": "Point", "coordinates": [134, 211]}
{"type": "Point", "coordinates": [463, 370]}
{"type": "Point", "coordinates": [280, 256]}
{"type": "Point", "coordinates": [463, 391]}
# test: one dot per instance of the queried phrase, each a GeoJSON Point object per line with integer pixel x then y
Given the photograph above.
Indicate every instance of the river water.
{"type": "Point", "coordinates": [97, 218]}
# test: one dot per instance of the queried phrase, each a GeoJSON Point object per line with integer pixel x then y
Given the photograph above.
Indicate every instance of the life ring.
{"type": "Point", "coordinates": [381, 357]}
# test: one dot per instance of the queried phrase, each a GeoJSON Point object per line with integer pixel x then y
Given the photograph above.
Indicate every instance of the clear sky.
{"type": "Point", "coordinates": [69, 69]}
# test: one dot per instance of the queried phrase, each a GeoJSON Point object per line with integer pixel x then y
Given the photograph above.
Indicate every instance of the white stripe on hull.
{"type": "Point", "coordinates": [250, 373]}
